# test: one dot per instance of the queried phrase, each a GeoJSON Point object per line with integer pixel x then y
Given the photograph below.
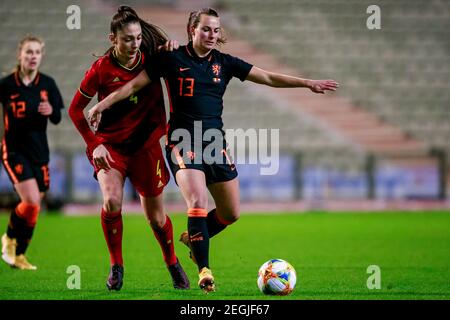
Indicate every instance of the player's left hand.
{"type": "Point", "coordinates": [45, 108]}
{"type": "Point", "coordinates": [320, 86]}
{"type": "Point", "coordinates": [94, 117]}
{"type": "Point", "coordinates": [169, 46]}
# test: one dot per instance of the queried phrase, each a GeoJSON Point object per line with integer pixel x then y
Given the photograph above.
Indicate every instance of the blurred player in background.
{"type": "Point", "coordinates": [127, 142]}
{"type": "Point", "coordinates": [29, 98]}
{"type": "Point", "coordinates": [198, 75]}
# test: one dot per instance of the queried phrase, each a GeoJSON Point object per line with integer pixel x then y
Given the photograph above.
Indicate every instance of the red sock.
{"type": "Point", "coordinates": [113, 229]}
{"type": "Point", "coordinates": [164, 236]}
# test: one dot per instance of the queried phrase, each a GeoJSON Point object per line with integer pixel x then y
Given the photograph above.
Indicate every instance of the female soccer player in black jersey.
{"type": "Point", "coordinates": [29, 98]}
{"type": "Point", "coordinates": [197, 76]}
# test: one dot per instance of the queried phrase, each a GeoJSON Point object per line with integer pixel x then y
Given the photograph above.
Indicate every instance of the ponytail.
{"type": "Point", "coordinates": [152, 36]}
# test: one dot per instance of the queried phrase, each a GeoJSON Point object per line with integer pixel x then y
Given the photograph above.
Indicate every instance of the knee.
{"type": "Point", "coordinates": [29, 212]}
{"type": "Point", "coordinates": [197, 202]}
{"type": "Point", "coordinates": [228, 216]}
{"type": "Point", "coordinates": [112, 203]}
{"type": "Point", "coordinates": [32, 199]}
{"type": "Point", "coordinates": [157, 221]}
{"type": "Point", "coordinates": [233, 216]}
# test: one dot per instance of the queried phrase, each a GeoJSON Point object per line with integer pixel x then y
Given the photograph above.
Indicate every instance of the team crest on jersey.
{"type": "Point", "coordinates": [191, 155]}
{"type": "Point", "coordinates": [18, 168]}
{"type": "Point", "coordinates": [216, 68]}
{"type": "Point", "coordinates": [44, 95]}
{"type": "Point", "coordinates": [116, 79]}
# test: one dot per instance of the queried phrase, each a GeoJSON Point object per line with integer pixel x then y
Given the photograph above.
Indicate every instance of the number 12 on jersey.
{"type": "Point", "coordinates": [18, 109]}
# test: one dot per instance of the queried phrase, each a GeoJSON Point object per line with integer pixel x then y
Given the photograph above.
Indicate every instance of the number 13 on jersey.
{"type": "Point", "coordinates": [186, 87]}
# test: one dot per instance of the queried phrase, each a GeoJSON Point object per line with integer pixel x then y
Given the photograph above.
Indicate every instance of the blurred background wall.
{"type": "Point", "coordinates": [384, 135]}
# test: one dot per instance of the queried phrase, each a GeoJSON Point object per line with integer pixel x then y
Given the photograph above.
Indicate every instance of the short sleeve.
{"type": "Point", "coordinates": [239, 68]}
{"type": "Point", "coordinates": [90, 83]}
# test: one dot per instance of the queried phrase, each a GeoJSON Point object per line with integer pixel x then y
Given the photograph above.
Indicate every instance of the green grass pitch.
{"type": "Point", "coordinates": [330, 252]}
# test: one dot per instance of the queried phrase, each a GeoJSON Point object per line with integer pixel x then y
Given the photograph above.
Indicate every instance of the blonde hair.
{"type": "Point", "coordinates": [27, 38]}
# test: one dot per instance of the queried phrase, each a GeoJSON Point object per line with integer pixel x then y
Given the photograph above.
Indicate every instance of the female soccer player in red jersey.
{"type": "Point", "coordinates": [29, 98]}
{"type": "Point", "coordinates": [197, 75]}
{"type": "Point", "coordinates": [127, 142]}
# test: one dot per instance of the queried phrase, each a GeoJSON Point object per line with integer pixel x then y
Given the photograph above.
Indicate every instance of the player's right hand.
{"type": "Point", "coordinates": [100, 157]}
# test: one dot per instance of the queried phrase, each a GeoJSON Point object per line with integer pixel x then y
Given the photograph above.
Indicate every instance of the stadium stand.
{"type": "Point", "coordinates": [394, 82]}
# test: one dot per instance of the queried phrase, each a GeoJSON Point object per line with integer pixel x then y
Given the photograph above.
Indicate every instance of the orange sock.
{"type": "Point", "coordinates": [28, 212]}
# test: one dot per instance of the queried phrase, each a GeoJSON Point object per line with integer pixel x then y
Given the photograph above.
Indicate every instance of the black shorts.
{"type": "Point", "coordinates": [224, 170]}
{"type": "Point", "coordinates": [20, 168]}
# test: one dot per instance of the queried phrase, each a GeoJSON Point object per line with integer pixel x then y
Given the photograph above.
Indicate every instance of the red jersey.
{"type": "Point", "coordinates": [141, 116]}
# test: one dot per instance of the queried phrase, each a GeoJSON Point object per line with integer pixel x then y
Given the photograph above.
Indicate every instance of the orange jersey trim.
{"type": "Point", "coordinates": [227, 157]}
{"type": "Point", "coordinates": [6, 121]}
{"type": "Point", "coordinates": [35, 81]}
{"type": "Point", "coordinates": [188, 51]}
{"type": "Point", "coordinates": [179, 158]}
{"type": "Point", "coordinates": [6, 163]}
{"type": "Point", "coordinates": [16, 77]}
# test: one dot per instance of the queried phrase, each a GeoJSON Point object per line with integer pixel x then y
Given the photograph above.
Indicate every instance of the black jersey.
{"type": "Point", "coordinates": [196, 85]}
{"type": "Point", "coordinates": [25, 127]}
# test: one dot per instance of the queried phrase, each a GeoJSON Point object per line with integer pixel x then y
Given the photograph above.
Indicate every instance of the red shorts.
{"type": "Point", "coordinates": [146, 168]}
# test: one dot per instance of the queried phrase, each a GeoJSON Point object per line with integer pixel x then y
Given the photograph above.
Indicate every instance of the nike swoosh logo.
{"type": "Point", "coordinates": [184, 69]}
{"type": "Point", "coordinates": [195, 235]}
{"type": "Point", "coordinates": [14, 96]}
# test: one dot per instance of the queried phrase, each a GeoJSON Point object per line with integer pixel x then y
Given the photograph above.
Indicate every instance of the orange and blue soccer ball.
{"type": "Point", "coordinates": [277, 277]}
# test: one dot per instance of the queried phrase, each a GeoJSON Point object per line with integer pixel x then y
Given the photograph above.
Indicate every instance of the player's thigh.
{"type": "Point", "coordinates": [111, 184]}
{"type": "Point", "coordinates": [192, 184]}
{"type": "Point", "coordinates": [227, 199]}
{"type": "Point", "coordinates": [28, 191]}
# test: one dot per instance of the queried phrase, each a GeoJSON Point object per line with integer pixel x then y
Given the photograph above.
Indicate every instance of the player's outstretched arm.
{"type": "Point", "coordinates": [279, 80]}
{"type": "Point", "coordinates": [133, 86]}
